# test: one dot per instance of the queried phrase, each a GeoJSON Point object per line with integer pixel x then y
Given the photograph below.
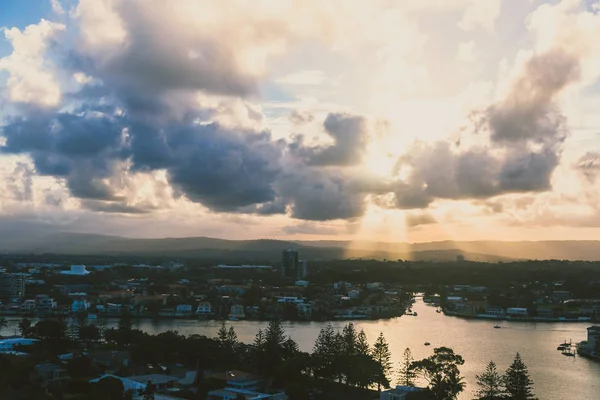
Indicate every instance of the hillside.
{"type": "Point", "coordinates": [266, 249]}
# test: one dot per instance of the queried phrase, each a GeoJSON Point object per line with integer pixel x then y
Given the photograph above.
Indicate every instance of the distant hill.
{"type": "Point", "coordinates": [266, 249]}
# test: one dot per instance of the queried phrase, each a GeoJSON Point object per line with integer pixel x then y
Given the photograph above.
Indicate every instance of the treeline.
{"type": "Point", "coordinates": [340, 360]}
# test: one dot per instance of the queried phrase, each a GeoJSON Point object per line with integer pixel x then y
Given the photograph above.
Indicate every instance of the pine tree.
{"type": "Point", "coordinates": [349, 340]}
{"type": "Point", "coordinates": [381, 353]}
{"type": "Point", "coordinates": [362, 345]}
{"type": "Point", "coordinates": [407, 374]}
{"type": "Point", "coordinates": [325, 353]}
{"type": "Point", "coordinates": [518, 385]}
{"type": "Point", "coordinates": [222, 333]}
{"type": "Point", "coordinates": [490, 384]}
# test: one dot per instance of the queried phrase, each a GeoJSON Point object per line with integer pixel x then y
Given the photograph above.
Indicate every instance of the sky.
{"type": "Point", "coordinates": [413, 120]}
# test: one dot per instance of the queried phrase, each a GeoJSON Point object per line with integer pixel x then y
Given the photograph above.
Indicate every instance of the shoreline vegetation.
{"type": "Point", "coordinates": [343, 363]}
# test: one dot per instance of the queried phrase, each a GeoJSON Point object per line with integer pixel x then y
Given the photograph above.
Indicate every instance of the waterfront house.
{"type": "Point", "coordinates": [183, 310]}
{"type": "Point", "coordinates": [237, 311]}
{"type": "Point", "coordinates": [204, 308]}
{"type": "Point", "coordinates": [304, 310]}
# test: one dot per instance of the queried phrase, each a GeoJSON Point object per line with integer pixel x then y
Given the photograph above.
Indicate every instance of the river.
{"type": "Point", "coordinates": [556, 377]}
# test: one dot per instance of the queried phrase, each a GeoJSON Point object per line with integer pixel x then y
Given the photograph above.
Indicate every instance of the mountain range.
{"type": "Point", "coordinates": [270, 250]}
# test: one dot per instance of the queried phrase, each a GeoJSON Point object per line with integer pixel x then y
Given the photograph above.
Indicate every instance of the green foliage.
{"type": "Point", "coordinates": [490, 384]}
{"type": "Point", "coordinates": [518, 385]}
{"type": "Point", "coordinates": [108, 388]}
{"type": "Point", "coordinates": [381, 353]}
{"type": "Point", "coordinates": [25, 327]}
{"type": "Point", "coordinates": [442, 373]}
{"type": "Point", "coordinates": [50, 329]}
{"type": "Point", "coordinates": [406, 372]}
{"type": "Point", "coordinates": [325, 353]}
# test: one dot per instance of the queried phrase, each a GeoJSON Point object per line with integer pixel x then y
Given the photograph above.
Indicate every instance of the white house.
{"type": "Point", "coordinates": [204, 308]}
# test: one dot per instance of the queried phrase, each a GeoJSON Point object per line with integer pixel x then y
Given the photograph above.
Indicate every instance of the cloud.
{"type": "Point", "coordinates": [589, 166]}
{"type": "Point", "coordinates": [31, 74]}
{"type": "Point", "coordinates": [419, 218]}
{"type": "Point", "coordinates": [309, 229]}
{"type": "Point", "coordinates": [350, 136]}
{"type": "Point", "coordinates": [480, 14]}
{"type": "Point", "coordinates": [300, 118]}
{"type": "Point", "coordinates": [57, 7]}
{"type": "Point", "coordinates": [526, 131]}
{"type": "Point", "coordinates": [303, 78]}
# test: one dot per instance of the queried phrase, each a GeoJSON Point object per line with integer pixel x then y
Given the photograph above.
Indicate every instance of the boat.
{"type": "Point", "coordinates": [427, 343]}
{"type": "Point", "coordinates": [568, 353]}
{"type": "Point", "coordinates": [415, 314]}
{"type": "Point", "coordinates": [561, 347]}
{"type": "Point", "coordinates": [233, 318]}
{"type": "Point", "coordinates": [497, 326]}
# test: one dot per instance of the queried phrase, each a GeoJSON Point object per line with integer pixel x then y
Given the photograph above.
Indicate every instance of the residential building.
{"type": "Point", "coordinates": [237, 311]}
{"type": "Point", "coordinates": [80, 305]}
{"type": "Point", "coordinates": [44, 303]}
{"type": "Point", "coordinates": [28, 305]}
{"type": "Point", "coordinates": [78, 270]}
{"type": "Point", "coordinates": [399, 393]}
{"type": "Point", "coordinates": [183, 310]}
{"type": "Point", "coordinates": [303, 269]}
{"type": "Point", "coordinates": [204, 308]}
{"type": "Point", "coordinates": [290, 264]}
{"type": "Point", "coordinates": [159, 381]}
{"type": "Point", "coordinates": [12, 286]}
{"type": "Point", "coordinates": [233, 394]}
{"type": "Point", "coordinates": [10, 345]}
{"type": "Point", "coordinates": [593, 336]}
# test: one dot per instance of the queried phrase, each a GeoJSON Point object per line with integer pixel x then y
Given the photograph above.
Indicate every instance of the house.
{"type": "Point", "coordinates": [52, 375]}
{"type": "Point", "coordinates": [28, 305]}
{"type": "Point", "coordinates": [80, 305]}
{"type": "Point", "coordinates": [204, 308]}
{"type": "Point", "coordinates": [44, 303]}
{"type": "Point", "coordinates": [237, 311]}
{"type": "Point", "coordinates": [234, 394]}
{"type": "Point", "coordinates": [183, 310]}
{"type": "Point", "coordinates": [402, 393]}
{"type": "Point", "coordinates": [160, 382]}
{"type": "Point", "coordinates": [10, 345]}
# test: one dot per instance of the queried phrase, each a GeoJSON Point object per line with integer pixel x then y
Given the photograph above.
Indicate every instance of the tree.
{"type": "Point", "coordinates": [490, 383]}
{"type": "Point", "coordinates": [441, 372]}
{"type": "Point", "coordinates": [349, 340]}
{"type": "Point", "coordinates": [3, 323]}
{"type": "Point", "coordinates": [149, 391]}
{"type": "Point", "coordinates": [325, 352]}
{"type": "Point", "coordinates": [24, 326]}
{"type": "Point", "coordinates": [518, 385]}
{"type": "Point", "coordinates": [381, 353]}
{"type": "Point", "coordinates": [50, 329]}
{"type": "Point", "coordinates": [362, 345]}
{"type": "Point", "coordinates": [406, 372]}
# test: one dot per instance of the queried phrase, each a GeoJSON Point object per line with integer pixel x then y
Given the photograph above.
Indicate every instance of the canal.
{"type": "Point", "coordinates": [556, 377]}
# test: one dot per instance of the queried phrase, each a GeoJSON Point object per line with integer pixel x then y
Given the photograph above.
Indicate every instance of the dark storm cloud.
{"type": "Point", "coordinates": [350, 136]}
{"type": "Point", "coordinates": [321, 195]}
{"type": "Point", "coordinates": [81, 148]}
{"type": "Point", "coordinates": [589, 166]}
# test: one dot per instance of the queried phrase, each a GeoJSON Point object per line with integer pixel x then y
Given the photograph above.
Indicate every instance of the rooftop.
{"type": "Point", "coordinates": [156, 379]}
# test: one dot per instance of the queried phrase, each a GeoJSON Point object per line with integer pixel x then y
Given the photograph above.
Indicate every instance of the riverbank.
{"type": "Point", "coordinates": [517, 318]}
